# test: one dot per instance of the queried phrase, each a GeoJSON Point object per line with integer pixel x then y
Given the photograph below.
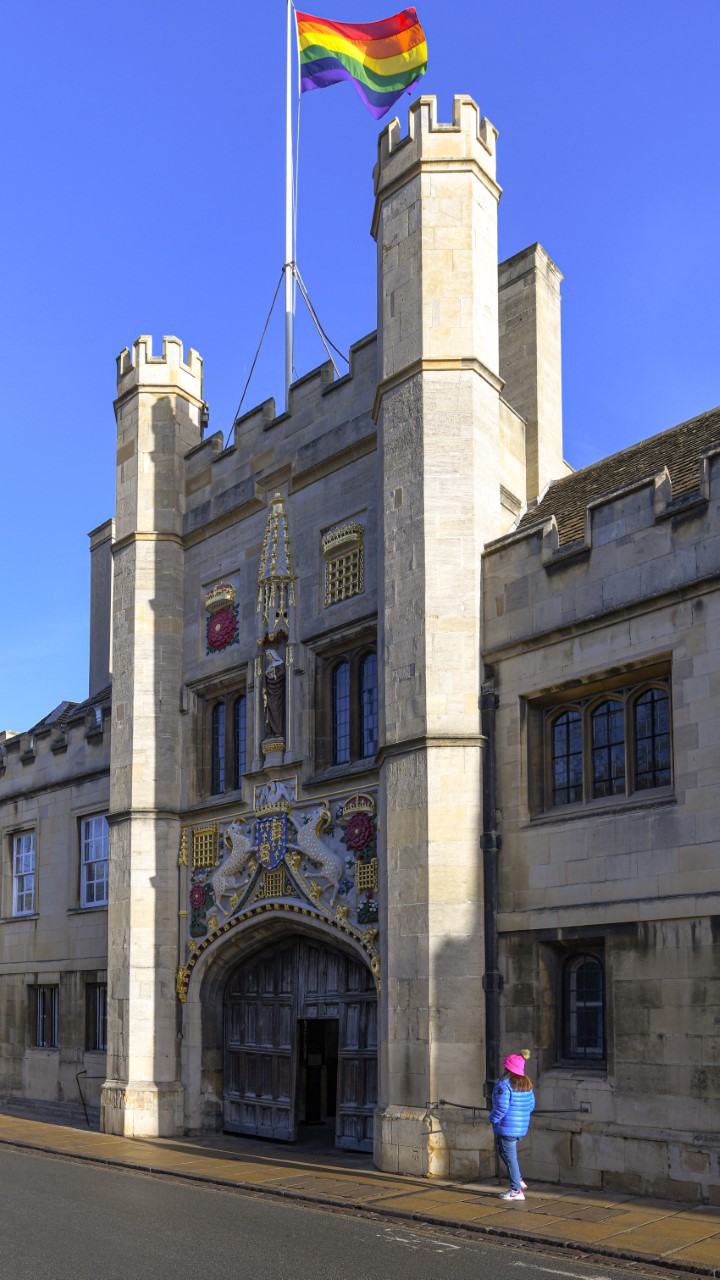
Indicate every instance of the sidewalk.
{"type": "Point", "coordinates": [680, 1238]}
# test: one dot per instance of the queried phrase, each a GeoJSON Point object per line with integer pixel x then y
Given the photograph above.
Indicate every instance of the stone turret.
{"type": "Point", "coordinates": [158, 410]}
{"type": "Point", "coordinates": [530, 365]}
{"type": "Point", "coordinates": [438, 414]}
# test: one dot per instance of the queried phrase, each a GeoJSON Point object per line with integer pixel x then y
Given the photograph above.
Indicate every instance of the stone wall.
{"type": "Point", "coordinates": [49, 780]}
{"type": "Point", "coordinates": [634, 875]}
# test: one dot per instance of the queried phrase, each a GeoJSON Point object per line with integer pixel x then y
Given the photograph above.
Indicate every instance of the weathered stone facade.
{"type": "Point", "coordinates": [364, 835]}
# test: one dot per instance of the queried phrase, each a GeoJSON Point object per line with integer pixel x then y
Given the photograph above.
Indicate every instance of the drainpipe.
{"type": "Point", "coordinates": [491, 844]}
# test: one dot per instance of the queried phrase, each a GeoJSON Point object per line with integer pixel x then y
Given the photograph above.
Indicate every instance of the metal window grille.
{"type": "Point", "coordinates": [96, 1017]}
{"type": "Point", "coordinates": [46, 1018]}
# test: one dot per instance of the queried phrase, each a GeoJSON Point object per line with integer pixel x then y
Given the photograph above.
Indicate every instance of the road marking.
{"type": "Point", "coordinates": [553, 1271]}
{"type": "Point", "coordinates": [413, 1241]}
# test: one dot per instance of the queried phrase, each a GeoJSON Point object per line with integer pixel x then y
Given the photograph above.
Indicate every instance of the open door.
{"type": "Point", "coordinates": [357, 1074]}
{"type": "Point", "coordinates": [260, 1051]}
{"type": "Point", "coordinates": [318, 1071]}
{"type": "Point", "coordinates": [301, 1045]}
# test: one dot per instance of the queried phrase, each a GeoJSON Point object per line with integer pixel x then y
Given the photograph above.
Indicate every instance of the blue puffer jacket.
{"type": "Point", "coordinates": [511, 1110]}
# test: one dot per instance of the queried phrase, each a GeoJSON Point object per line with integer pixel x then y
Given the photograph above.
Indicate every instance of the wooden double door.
{"type": "Point", "coordinates": [301, 1044]}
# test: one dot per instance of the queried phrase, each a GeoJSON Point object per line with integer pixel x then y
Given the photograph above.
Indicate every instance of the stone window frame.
{"type": "Point", "coordinates": [569, 1008]}
{"type": "Point", "coordinates": [86, 864]}
{"type": "Point", "coordinates": [19, 874]}
{"type": "Point", "coordinates": [235, 764]}
{"type": "Point", "coordinates": [546, 711]}
{"type": "Point", "coordinates": [553, 960]}
{"type": "Point", "coordinates": [350, 650]}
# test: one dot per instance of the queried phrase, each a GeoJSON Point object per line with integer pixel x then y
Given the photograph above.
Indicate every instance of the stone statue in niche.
{"type": "Point", "coordinates": [274, 693]}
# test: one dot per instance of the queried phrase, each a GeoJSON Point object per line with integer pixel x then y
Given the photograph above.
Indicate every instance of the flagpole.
{"type": "Point", "coordinates": [289, 263]}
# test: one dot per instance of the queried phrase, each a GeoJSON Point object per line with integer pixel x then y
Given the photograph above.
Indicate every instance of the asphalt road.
{"type": "Point", "coordinates": [68, 1221]}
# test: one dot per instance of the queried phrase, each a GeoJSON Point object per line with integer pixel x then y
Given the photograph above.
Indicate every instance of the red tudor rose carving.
{"type": "Point", "coordinates": [198, 895]}
{"type": "Point", "coordinates": [222, 628]}
{"type": "Point", "coordinates": [359, 832]}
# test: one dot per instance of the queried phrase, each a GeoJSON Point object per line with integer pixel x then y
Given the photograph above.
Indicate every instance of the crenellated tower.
{"type": "Point", "coordinates": [438, 413]}
{"type": "Point", "coordinates": [158, 409]}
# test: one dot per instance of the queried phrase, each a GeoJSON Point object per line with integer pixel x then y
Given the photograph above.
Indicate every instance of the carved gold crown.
{"type": "Point", "coordinates": [272, 807]}
{"type": "Point", "coordinates": [220, 596]}
{"type": "Point", "coordinates": [358, 804]}
{"type": "Point", "coordinates": [346, 535]}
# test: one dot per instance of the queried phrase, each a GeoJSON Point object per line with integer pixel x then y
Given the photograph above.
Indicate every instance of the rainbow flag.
{"type": "Point", "coordinates": [381, 59]}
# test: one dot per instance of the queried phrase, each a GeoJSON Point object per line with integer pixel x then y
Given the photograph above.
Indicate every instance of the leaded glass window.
{"type": "Point", "coordinates": [584, 1008]}
{"type": "Point", "coordinates": [652, 739]}
{"type": "Point", "coordinates": [567, 759]}
{"type": "Point", "coordinates": [341, 713]}
{"type": "Point", "coordinates": [217, 780]}
{"type": "Point", "coordinates": [239, 739]}
{"type": "Point", "coordinates": [368, 705]}
{"type": "Point", "coordinates": [608, 749]}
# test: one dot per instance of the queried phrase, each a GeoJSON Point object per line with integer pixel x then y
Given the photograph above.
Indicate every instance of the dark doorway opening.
{"type": "Point", "coordinates": [318, 1070]}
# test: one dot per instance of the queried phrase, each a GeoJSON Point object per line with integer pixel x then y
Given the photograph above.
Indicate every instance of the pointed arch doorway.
{"type": "Point", "coordinates": [300, 1044]}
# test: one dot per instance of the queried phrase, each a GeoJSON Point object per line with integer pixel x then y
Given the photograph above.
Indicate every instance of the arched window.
{"type": "Point", "coordinates": [239, 738]}
{"type": "Point", "coordinates": [217, 733]}
{"type": "Point", "coordinates": [608, 749]}
{"type": "Point", "coordinates": [652, 739]}
{"type": "Point", "coordinates": [341, 713]}
{"type": "Point", "coordinates": [567, 779]}
{"type": "Point", "coordinates": [368, 705]}
{"type": "Point", "coordinates": [583, 1008]}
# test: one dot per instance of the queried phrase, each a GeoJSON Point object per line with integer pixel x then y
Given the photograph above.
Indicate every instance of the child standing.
{"type": "Point", "coordinates": [513, 1102]}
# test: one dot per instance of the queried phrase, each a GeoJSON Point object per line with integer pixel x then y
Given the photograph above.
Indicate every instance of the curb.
{"type": "Point", "coordinates": [364, 1210]}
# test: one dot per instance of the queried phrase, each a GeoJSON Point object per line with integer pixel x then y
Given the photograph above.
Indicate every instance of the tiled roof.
{"type": "Point", "coordinates": [678, 449]}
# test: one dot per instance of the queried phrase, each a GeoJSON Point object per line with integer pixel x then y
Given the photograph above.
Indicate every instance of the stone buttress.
{"type": "Point", "coordinates": [158, 410]}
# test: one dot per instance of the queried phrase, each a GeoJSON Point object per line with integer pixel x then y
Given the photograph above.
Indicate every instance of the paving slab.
{"type": "Point", "coordinates": [683, 1239]}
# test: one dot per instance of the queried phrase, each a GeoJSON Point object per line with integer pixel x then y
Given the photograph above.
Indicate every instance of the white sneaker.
{"type": "Point", "coordinates": [523, 1185]}
{"type": "Point", "coordinates": [512, 1195]}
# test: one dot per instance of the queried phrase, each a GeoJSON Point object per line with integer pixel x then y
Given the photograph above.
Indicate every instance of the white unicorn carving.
{"type": "Point", "coordinates": [330, 866]}
{"type": "Point", "coordinates": [235, 865]}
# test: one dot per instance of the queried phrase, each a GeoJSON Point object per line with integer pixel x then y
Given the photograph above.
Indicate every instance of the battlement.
{"type": "Point", "coordinates": [68, 743]}
{"type": "Point", "coordinates": [140, 368]}
{"type": "Point", "coordinates": [328, 424]}
{"type": "Point", "coordinates": [642, 541]}
{"type": "Point", "coordinates": [471, 138]}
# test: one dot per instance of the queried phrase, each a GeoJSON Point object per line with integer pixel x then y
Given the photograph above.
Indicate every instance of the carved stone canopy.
{"type": "Point", "coordinates": [276, 580]}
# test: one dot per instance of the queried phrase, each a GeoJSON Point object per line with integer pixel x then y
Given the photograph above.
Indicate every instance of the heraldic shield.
{"type": "Point", "coordinates": [271, 838]}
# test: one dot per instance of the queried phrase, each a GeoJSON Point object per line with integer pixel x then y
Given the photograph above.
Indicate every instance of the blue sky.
{"type": "Point", "coordinates": [143, 165]}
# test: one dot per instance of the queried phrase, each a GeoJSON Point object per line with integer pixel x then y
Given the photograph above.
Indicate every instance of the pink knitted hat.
{"type": "Point", "coordinates": [515, 1062]}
